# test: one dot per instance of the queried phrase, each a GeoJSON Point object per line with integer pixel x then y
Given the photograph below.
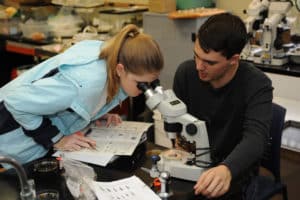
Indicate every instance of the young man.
{"type": "Point", "coordinates": [234, 99]}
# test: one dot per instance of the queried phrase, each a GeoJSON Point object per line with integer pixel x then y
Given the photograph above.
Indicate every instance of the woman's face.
{"type": "Point", "coordinates": [129, 81]}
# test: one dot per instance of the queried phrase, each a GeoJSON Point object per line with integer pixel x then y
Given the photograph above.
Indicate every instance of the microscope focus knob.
{"type": "Point", "coordinates": [165, 175]}
{"type": "Point", "coordinates": [191, 129]}
{"type": "Point", "coordinates": [155, 159]}
{"type": "Point", "coordinates": [154, 171]}
{"type": "Point", "coordinates": [165, 192]}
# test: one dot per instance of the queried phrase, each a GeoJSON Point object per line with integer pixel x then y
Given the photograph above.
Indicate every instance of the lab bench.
{"type": "Point", "coordinates": [286, 83]}
{"type": "Point", "coordinates": [28, 47]}
{"type": "Point", "coordinates": [123, 167]}
{"type": "Point", "coordinates": [288, 69]}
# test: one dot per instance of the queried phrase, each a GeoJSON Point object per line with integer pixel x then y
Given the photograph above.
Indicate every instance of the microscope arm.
{"type": "Point", "coordinates": [270, 31]}
{"type": "Point", "coordinates": [277, 12]}
{"type": "Point", "coordinates": [254, 12]}
{"type": "Point", "coordinates": [249, 22]}
{"type": "Point", "coordinates": [192, 129]}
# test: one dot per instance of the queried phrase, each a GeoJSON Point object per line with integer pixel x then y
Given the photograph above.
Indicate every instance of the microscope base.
{"type": "Point", "coordinates": [273, 61]}
{"type": "Point", "coordinates": [178, 169]}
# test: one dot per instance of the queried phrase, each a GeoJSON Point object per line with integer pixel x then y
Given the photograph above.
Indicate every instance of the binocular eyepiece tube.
{"type": "Point", "coordinates": [148, 88]}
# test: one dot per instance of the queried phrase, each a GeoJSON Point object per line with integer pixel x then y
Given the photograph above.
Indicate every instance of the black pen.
{"type": "Point", "coordinates": [88, 132]}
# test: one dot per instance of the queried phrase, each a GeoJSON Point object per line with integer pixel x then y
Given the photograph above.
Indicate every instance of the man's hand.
{"type": "Point", "coordinates": [113, 119]}
{"type": "Point", "coordinates": [74, 142]}
{"type": "Point", "coordinates": [214, 182]}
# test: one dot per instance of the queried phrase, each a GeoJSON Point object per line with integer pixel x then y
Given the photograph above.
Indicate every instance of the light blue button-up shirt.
{"type": "Point", "coordinates": [78, 85]}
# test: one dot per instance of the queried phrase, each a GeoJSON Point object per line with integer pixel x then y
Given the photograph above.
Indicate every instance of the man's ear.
{"type": "Point", "coordinates": [120, 69]}
{"type": "Point", "coordinates": [234, 60]}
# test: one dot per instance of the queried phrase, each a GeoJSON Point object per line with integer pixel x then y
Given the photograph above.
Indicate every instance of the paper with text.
{"type": "Point", "coordinates": [111, 141]}
{"type": "Point", "coordinates": [119, 140]}
{"type": "Point", "coordinates": [131, 188]}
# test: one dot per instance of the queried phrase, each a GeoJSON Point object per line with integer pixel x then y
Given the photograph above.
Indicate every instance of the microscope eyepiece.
{"type": "Point", "coordinates": [143, 86]}
{"type": "Point", "coordinates": [155, 83]}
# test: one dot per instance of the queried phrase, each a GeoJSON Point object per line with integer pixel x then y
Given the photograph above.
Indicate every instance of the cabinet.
{"type": "Point", "coordinates": [175, 38]}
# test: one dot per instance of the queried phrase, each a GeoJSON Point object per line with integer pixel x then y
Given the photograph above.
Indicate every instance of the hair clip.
{"type": "Point", "coordinates": [133, 34]}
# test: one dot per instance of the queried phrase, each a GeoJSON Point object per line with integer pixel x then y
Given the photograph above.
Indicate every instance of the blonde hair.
{"type": "Point", "coordinates": [138, 52]}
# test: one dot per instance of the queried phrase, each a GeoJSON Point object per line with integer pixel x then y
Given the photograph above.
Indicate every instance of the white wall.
{"type": "Point", "coordinates": [234, 6]}
{"type": "Point", "coordinates": [285, 86]}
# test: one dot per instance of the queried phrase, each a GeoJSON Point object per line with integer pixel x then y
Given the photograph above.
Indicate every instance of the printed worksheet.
{"type": "Point", "coordinates": [119, 140]}
{"type": "Point", "coordinates": [131, 188]}
{"type": "Point", "coordinates": [111, 142]}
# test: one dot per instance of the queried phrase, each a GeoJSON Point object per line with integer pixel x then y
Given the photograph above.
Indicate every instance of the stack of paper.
{"type": "Point", "coordinates": [131, 188]}
{"type": "Point", "coordinates": [111, 142]}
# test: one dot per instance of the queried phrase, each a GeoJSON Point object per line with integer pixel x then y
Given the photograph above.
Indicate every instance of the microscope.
{"type": "Point", "coordinates": [188, 132]}
{"type": "Point", "coordinates": [257, 11]}
{"type": "Point", "coordinates": [273, 28]}
{"type": "Point", "coordinates": [267, 21]}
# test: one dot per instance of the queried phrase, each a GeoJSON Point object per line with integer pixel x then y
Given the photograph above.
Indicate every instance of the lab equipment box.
{"type": "Point", "coordinates": [162, 6]}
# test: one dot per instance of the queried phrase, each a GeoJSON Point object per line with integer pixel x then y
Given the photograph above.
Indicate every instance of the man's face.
{"type": "Point", "coordinates": [213, 67]}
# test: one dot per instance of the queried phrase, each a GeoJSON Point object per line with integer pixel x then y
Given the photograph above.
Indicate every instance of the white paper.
{"type": "Point", "coordinates": [119, 140]}
{"type": "Point", "coordinates": [87, 156]}
{"type": "Point", "coordinates": [111, 142]}
{"type": "Point", "coordinates": [131, 188]}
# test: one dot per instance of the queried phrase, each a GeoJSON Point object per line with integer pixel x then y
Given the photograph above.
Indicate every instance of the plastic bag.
{"type": "Point", "coordinates": [78, 178]}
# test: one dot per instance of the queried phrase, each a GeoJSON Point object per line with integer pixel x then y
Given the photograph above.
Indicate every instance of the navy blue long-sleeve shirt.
{"type": "Point", "coordinates": [238, 115]}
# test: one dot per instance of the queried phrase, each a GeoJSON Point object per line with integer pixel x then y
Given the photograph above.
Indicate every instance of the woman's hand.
{"type": "Point", "coordinates": [113, 119]}
{"type": "Point", "coordinates": [74, 142]}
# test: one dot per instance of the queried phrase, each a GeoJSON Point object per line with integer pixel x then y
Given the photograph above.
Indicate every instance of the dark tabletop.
{"type": "Point", "coordinates": [289, 69]}
{"type": "Point", "coordinates": [123, 167]}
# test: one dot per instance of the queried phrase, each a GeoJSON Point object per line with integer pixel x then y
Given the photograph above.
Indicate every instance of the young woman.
{"type": "Point", "coordinates": [45, 106]}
